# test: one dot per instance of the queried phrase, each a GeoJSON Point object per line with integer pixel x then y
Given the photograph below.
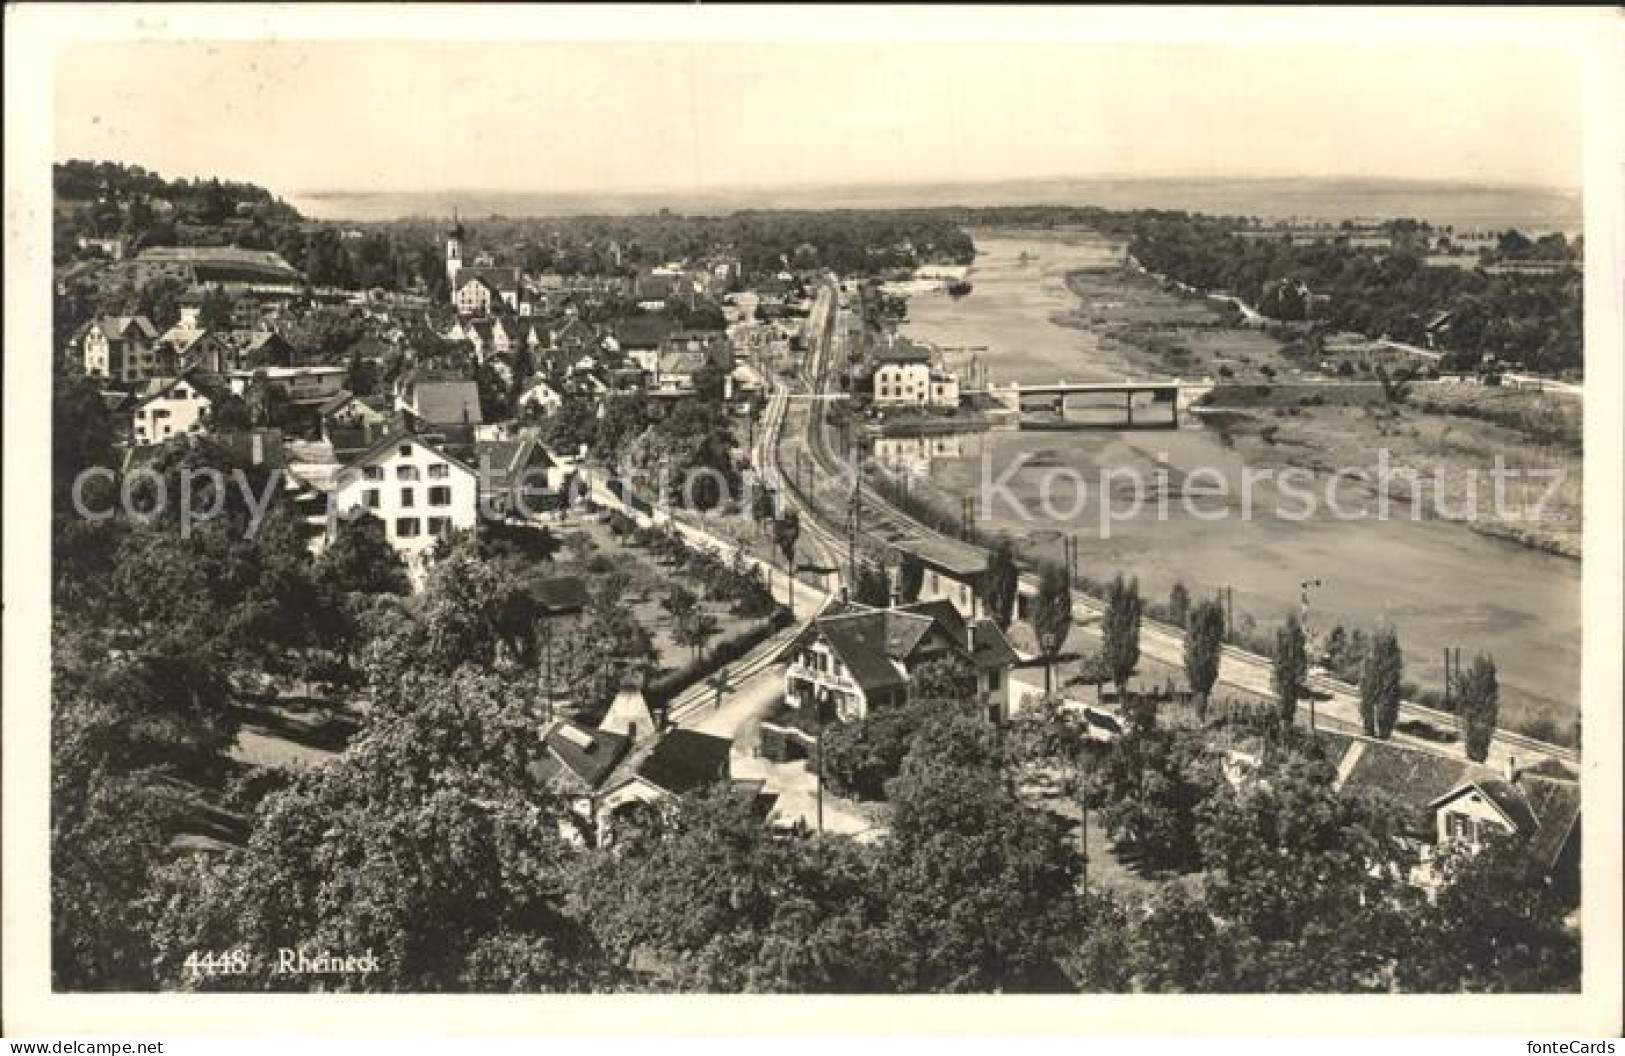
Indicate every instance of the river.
{"type": "Point", "coordinates": [1439, 584]}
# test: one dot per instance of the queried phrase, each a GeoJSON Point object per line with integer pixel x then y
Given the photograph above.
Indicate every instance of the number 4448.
{"type": "Point", "coordinates": [230, 962]}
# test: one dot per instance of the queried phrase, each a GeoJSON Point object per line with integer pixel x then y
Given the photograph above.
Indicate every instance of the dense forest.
{"type": "Point", "coordinates": [1528, 320]}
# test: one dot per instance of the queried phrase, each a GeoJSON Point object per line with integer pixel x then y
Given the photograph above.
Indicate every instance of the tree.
{"type": "Point", "coordinates": [215, 311]}
{"type": "Point", "coordinates": [1179, 605]}
{"type": "Point", "coordinates": [1204, 645]}
{"type": "Point", "coordinates": [763, 506]}
{"type": "Point", "coordinates": [1120, 630]}
{"type": "Point", "coordinates": [1052, 618]}
{"type": "Point", "coordinates": [977, 886]}
{"type": "Point", "coordinates": [786, 533]}
{"type": "Point", "coordinates": [999, 584]}
{"type": "Point", "coordinates": [1479, 706]}
{"type": "Point", "coordinates": [1499, 927]}
{"type": "Point", "coordinates": [431, 841]}
{"type": "Point", "coordinates": [1290, 669]}
{"type": "Point", "coordinates": [873, 587]}
{"type": "Point", "coordinates": [1380, 682]}
{"type": "Point", "coordinates": [949, 677]}
{"type": "Point", "coordinates": [694, 629]}
{"type": "Point", "coordinates": [910, 578]}
{"type": "Point", "coordinates": [360, 559]}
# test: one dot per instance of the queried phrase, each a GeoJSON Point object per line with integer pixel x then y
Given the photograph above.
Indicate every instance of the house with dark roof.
{"type": "Point", "coordinates": [178, 406]}
{"type": "Point", "coordinates": [680, 762]}
{"type": "Point", "coordinates": [849, 660]}
{"type": "Point", "coordinates": [120, 348]}
{"type": "Point", "coordinates": [517, 477]}
{"type": "Point", "coordinates": [1458, 803]}
{"type": "Point", "coordinates": [439, 402]}
{"type": "Point", "coordinates": [643, 331]}
{"type": "Point", "coordinates": [481, 290]}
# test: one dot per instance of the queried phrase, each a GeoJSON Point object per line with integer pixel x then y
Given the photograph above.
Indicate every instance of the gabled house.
{"type": "Point", "coordinates": [179, 406]}
{"type": "Point", "coordinates": [905, 377]}
{"type": "Point", "coordinates": [419, 492]}
{"type": "Point", "coordinates": [1462, 804]}
{"type": "Point", "coordinates": [1543, 812]}
{"type": "Point", "coordinates": [120, 348]}
{"type": "Point", "coordinates": [679, 762]}
{"type": "Point", "coordinates": [845, 663]}
{"type": "Point", "coordinates": [518, 478]}
{"type": "Point", "coordinates": [953, 571]}
{"type": "Point", "coordinates": [542, 399]}
{"type": "Point", "coordinates": [482, 290]}
{"type": "Point", "coordinates": [578, 761]}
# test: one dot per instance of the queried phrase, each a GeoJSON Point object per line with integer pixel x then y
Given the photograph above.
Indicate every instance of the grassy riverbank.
{"type": "Point", "coordinates": [1443, 442]}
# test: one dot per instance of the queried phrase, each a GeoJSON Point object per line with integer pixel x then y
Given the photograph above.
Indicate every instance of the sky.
{"type": "Point", "coordinates": [306, 116]}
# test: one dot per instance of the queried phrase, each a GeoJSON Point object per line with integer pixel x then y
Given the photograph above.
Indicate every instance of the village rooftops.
{"type": "Point", "coordinates": [988, 647]}
{"type": "Point", "coordinates": [579, 757]}
{"type": "Point", "coordinates": [682, 761]}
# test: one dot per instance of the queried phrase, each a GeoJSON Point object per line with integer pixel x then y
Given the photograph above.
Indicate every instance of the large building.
{"type": "Point", "coordinates": [121, 348]}
{"type": "Point", "coordinates": [226, 266]}
{"type": "Point", "coordinates": [419, 493]}
{"type": "Point", "coordinates": [905, 377]}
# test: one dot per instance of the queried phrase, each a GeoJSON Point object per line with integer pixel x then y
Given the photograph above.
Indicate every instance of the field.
{"type": "Point", "coordinates": [1281, 407]}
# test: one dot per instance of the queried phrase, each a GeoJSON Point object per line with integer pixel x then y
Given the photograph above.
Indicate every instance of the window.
{"type": "Point", "coordinates": [406, 496]}
{"type": "Point", "coordinates": [373, 472]}
{"type": "Point", "coordinates": [1458, 826]}
{"type": "Point", "coordinates": [406, 450]}
{"type": "Point", "coordinates": [439, 496]}
{"type": "Point", "coordinates": [439, 525]}
{"type": "Point", "coordinates": [439, 471]}
{"type": "Point", "coordinates": [369, 498]}
{"type": "Point", "coordinates": [406, 472]}
{"type": "Point", "coordinates": [406, 527]}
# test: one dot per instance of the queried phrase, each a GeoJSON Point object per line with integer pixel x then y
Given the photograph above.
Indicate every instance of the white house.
{"type": "Point", "coordinates": [120, 348]}
{"type": "Point", "coordinates": [904, 377]}
{"type": "Point", "coordinates": [168, 409]}
{"type": "Point", "coordinates": [419, 493]}
{"type": "Point", "coordinates": [541, 399]}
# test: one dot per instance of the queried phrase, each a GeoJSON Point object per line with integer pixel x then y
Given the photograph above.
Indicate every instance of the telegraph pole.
{"type": "Point", "coordinates": [852, 535]}
{"type": "Point", "coordinates": [1305, 620]}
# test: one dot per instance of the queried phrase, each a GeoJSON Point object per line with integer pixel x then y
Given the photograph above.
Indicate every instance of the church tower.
{"type": "Point", "coordinates": [454, 252]}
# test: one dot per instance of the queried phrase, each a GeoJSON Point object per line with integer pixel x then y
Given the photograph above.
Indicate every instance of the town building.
{"type": "Point", "coordinates": [845, 663]}
{"type": "Point", "coordinates": [1464, 805]}
{"type": "Point", "coordinates": [438, 402]}
{"type": "Point", "coordinates": [120, 348]}
{"type": "Point", "coordinates": [417, 491]}
{"type": "Point", "coordinates": [164, 410]}
{"type": "Point", "coordinates": [905, 377]}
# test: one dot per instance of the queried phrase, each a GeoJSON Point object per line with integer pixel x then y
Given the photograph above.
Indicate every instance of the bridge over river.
{"type": "Point", "coordinates": [1170, 391]}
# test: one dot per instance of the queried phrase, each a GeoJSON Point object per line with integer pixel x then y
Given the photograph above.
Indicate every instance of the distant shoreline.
{"type": "Point", "coordinates": [1531, 208]}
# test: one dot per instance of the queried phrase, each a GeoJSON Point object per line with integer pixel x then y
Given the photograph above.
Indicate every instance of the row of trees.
{"type": "Point", "coordinates": [1531, 320]}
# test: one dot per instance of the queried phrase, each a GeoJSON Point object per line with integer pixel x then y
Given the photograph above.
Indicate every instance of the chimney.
{"type": "Point", "coordinates": [258, 448]}
{"type": "Point", "coordinates": [1512, 769]}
